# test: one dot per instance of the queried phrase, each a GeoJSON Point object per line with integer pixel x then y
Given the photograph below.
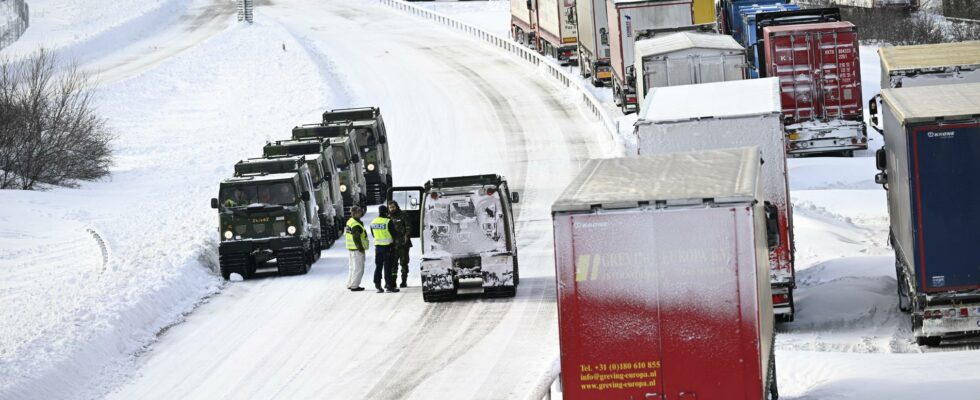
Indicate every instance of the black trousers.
{"type": "Point", "coordinates": [384, 264]}
{"type": "Point", "coordinates": [401, 257]}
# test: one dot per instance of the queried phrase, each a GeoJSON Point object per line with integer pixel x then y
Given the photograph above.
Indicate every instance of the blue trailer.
{"type": "Point", "coordinates": [930, 167]}
{"type": "Point", "coordinates": [729, 17]}
{"type": "Point", "coordinates": [747, 35]}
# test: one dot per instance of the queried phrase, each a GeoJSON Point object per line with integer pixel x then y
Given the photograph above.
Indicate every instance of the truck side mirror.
{"type": "Point", "coordinates": [772, 225]}
{"type": "Point", "coordinates": [873, 112]}
{"type": "Point", "coordinates": [383, 140]}
{"type": "Point", "coordinates": [880, 161]}
{"type": "Point", "coordinates": [529, 4]}
{"type": "Point", "coordinates": [214, 203]}
{"type": "Point", "coordinates": [515, 197]}
{"type": "Point", "coordinates": [305, 196]}
{"type": "Point", "coordinates": [356, 158]}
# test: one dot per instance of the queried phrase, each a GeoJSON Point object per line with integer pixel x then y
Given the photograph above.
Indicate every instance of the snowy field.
{"type": "Point", "coordinates": [110, 289]}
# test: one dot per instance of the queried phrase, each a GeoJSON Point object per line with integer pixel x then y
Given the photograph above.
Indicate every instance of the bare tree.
{"type": "Point", "coordinates": [49, 131]}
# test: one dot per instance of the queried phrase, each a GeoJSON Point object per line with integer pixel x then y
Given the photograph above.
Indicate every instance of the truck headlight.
{"type": "Point", "coordinates": [343, 188]}
{"type": "Point", "coordinates": [228, 234]}
{"type": "Point", "coordinates": [291, 230]}
{"type": "Point", "coordinates": [370, 167]}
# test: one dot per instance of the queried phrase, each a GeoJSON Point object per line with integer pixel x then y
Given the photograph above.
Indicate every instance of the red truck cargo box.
{"type": "Point", "coordinates": [819, 70]}
{"type": "Point", "coordinates": [668, 301]}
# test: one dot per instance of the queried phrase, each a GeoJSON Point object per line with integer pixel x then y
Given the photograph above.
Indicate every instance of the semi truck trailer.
{"type": "Point", "coordinates": [930, 169]}
{"type": "Point", "coordinates": [663, 279]}
{"type": "Point", "coordinates": [740, 113]}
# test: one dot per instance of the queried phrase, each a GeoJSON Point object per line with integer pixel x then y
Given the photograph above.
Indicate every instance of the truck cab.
{"type": "Point", "coordinates": [348, 162]}
{"type": "Point", "coordinates": [466, 225]}
{"type": "Point", "coordinates": [306, 168]}
{"type": "Point", "coordinates": [267, 220]}
{"type": "Point", "coordinates": [347, 187]}
{"type": "Point", "coordinates": [372, 140]}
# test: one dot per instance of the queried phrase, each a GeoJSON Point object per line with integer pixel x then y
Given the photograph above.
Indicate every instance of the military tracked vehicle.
{"type": "Point", "coordinates": [372, 140]}
{"type": "Point", "coordinates": [321, 187]}
{"type": "Point", "coordinates": [466, 226]}
{"type": "Point", "coordinates": [265, 221]}
{"type": "Point", "coordinates": [343, 155]}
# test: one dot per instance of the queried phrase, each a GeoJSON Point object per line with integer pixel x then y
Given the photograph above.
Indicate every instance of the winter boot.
{"type": "Point", "coordinates": [379, 289]}
{"type": "Point", "coordinates": [393, 290]}
{"type": "Point", "coordinates": [404, 283]}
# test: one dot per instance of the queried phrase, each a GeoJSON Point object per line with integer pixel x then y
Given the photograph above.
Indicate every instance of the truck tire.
{"type": "Point", "coordinates": [517, 272]}
{"type": "Point", "coordinates": [327, 233]}
{"type": "Point", "coordinates": [904, 299]}
{"type": "Point", "coordinates": [931, 341]}
{"type": "Point", "coordinates": [293, 262]}
{"type": "Point", "coordinates": [500, 291]}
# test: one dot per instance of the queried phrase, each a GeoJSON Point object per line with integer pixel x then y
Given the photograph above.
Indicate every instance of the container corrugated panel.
{"type": "Point", "coordinates": [592, 24]}
{"type": "Point", "coordinates": [818, 66]}
{"type": "Point", "coordinates": [751, 35]}
{"type": "Point", "coordinates": [520, 14]}
{"type": "Point", "coordinates": [556, 21]}
{"type": "Point", "coordinates": [933, 137]}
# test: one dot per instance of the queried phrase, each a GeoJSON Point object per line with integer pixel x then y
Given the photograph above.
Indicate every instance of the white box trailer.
{"type": "Point", "coordinates": [686, 58]}
{"type": "Point", "coordinates": [593, 41]}
{"type": "Point", "coordinates": [930, 64]}
{"type": "Point", "coordinates": [632, 20]}
{"type": "Point", "coordinates": [725, 115]}
{"type": "Point", "coordinates": [557, 29]}
{"type": "Point", "coordinates": [523, 22]}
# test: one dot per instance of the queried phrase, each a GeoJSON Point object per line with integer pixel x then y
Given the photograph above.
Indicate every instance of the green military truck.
{"type": "Point", "coordinates": [466, 224]}
{"type": "Point", "coordinates": [321, 191]}
{"type": "Point", "coordinates": [372, 140]}
{"type": "Point", "coordinates": [350, 185]}
{"type": "Point", "coordinates": [267, 220]}
{"type": "Point", "coordinates": [352, 176]}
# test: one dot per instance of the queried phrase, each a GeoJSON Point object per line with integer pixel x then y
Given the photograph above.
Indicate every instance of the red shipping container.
{"type": "Point", "coordinates": [819, 70]}
{"type": "Point", "coordinates": [663, 286]}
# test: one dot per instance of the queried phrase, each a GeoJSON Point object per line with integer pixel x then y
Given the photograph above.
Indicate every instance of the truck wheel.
{"type": "Point", "coordinates": [517, 272]}
{"type": "Point", "coordinates": [597, 83]}
{"type": "Point", "coordinates": [293, 262]}
{"type": "Point", "coordinates": [240, 264]}
{"type": "Point", "coordinates": [438, 296]}
{"type": "Point", "coordinates": [904, 300]}
{"type": "Point", "coordinates": [931, 341]}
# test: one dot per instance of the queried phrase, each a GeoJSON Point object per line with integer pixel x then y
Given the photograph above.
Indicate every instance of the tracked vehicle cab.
{"type": "Point", "coordinates": [467, 235]}
{"type": "Point", "coordinates": [371, 139]}
{"type": "Point", "coordinates": [267, 220]}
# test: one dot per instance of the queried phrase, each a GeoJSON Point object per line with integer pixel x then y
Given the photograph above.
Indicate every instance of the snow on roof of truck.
{"type": "Point", "coordinates": [923, 103]}
{"type": "Point", "coordinates": [260, 177]}
{"type": "Point", "coordinates": [930, 55]}
{"type": "Point", "coordinates": [667, 44]}
{"type": "Point", "coordinates": [726, 176]}
{"type": "Point", "coordinates": [711, 100]}
{"type": "Point", "coordinates": [809, 27]}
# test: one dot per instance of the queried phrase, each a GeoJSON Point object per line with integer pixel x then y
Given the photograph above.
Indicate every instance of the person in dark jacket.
{"type": "Point", "coordinates": [384, 233]}
{"type": "Point", "coordinates": [403, 243]}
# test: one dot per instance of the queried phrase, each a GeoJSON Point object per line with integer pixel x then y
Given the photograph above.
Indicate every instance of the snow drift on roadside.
{"type": "Point", "coordinates": [74, 314]}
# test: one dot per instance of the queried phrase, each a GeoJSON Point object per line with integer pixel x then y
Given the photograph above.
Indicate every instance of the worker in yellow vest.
{"type": "Point", "coordinates": [357, 243]}
{"type": "Point", "coordinates": [384, 233]}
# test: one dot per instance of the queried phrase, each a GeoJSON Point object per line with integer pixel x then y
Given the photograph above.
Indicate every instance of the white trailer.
{"type": "Point", "coordinates": [523, 22]}
{"type": "Point", "coordinates": [557, 29]}
{"type": "Point", "coordinates": [686, 58]}
{"type": "Point", "coordinates": [629, 21]}
{"type": "Point", "coordinates": [930, 64]}
{"type": "Point", "coordinates": [724, 115]}
{"type": "Point", "coordinates": [593, 41]}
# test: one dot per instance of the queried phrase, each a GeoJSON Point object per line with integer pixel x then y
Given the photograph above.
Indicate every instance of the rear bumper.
{"type": "Point", "coordinates": [824, 137]}
{"type": "Point", "coordinates": [441, 274]}
{"type": "Point", "coordinates": [946, 315]}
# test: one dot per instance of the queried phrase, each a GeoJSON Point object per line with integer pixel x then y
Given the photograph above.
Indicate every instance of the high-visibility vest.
{"type": "Point", "coordinates": [380, 231]}
{"type": "Point", "coordinates": [349, 235]}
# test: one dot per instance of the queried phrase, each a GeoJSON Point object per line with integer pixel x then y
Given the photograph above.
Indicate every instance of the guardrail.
{"type": "Point", "coordinates": [585, 97]}
{"type": "Point", "coordinates": [17, 18]}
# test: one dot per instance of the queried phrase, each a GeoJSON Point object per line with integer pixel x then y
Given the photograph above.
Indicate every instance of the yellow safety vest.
{"type": "Point", "coordinates": [348, 234]}
{"type": "Point", "coordinates": [380, 231]}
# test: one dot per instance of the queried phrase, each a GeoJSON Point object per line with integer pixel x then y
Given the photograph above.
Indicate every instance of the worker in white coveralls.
{"type": "Point", "coordinates": [357, 244]}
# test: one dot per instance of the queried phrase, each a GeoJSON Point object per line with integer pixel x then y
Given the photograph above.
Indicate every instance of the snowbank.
{"type": "Point", "coordinates": [73, 317]}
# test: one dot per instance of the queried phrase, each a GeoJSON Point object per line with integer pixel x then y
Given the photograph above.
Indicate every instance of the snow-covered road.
{"type": "Point", "coordinates": [451, 108]}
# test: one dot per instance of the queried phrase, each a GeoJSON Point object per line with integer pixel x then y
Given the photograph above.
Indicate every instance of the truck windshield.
{"type": "Point", "coordinates": [468, 223]}
{"type": "Point", "coordinates": [340, 157]}
{"type": "Point", "coordinates": [242, 195]}
{"type": "Point", "coordinates": [315, 173]}
{"type": "Point", "coordinates": [365, 137]}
